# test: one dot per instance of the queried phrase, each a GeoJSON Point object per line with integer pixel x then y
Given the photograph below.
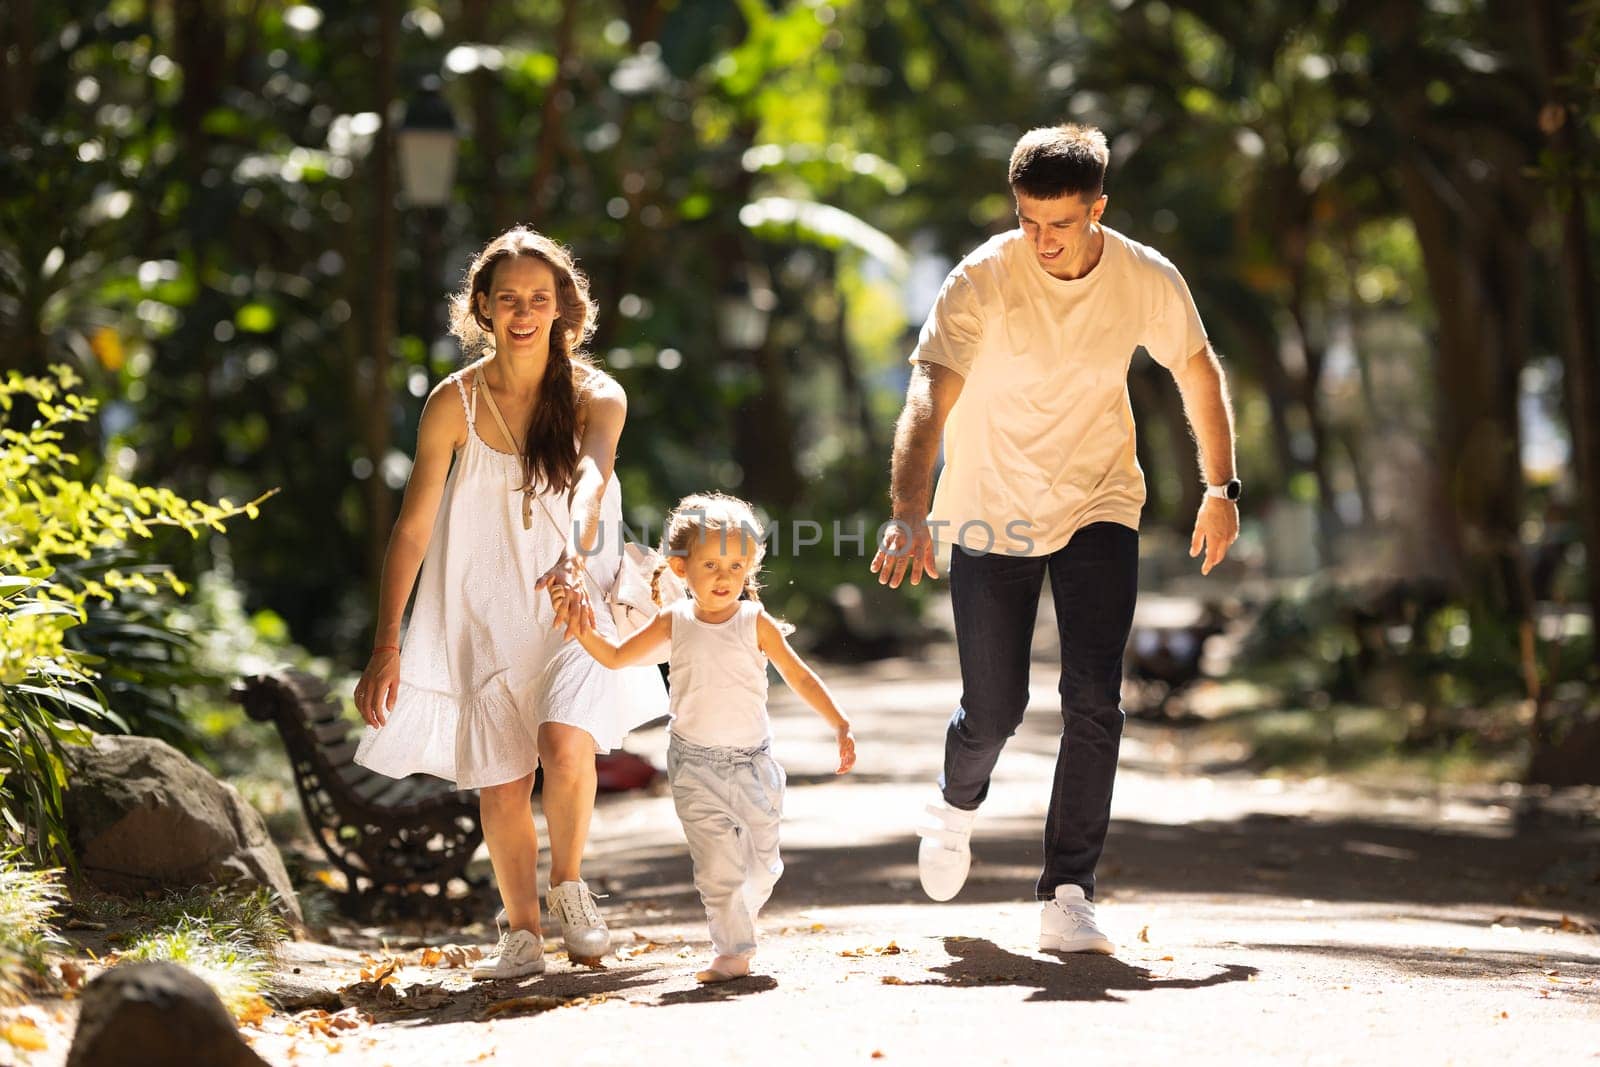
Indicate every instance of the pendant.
{"type": "Point", "coordinates": [527, 509]}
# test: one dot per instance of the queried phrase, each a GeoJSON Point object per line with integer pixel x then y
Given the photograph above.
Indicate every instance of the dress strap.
{"type": "Point", "coordinates": [461, 387]}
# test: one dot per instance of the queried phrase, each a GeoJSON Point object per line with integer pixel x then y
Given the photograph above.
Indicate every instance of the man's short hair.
{"type": "Point", "coordinates": [1053, 161]}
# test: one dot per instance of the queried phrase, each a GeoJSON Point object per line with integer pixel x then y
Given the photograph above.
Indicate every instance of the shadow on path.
{"type": "Point", "coordinates": [1567, 970]}
{"type": "Point", "coordinates": [710, 994]}
{"type": "Point", "coordinates": [1078, 976]}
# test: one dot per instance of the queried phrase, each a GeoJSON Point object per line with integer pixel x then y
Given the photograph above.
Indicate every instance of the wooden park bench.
{"type": "Point", "coordinates": [385, 834]}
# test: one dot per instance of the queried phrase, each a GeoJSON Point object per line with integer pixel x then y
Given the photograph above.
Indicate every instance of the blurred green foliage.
{"type": "Point", "coordinates": [1366, 198]}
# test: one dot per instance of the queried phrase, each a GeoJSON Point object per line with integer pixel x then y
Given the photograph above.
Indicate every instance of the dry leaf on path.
{"type": "Point", "coordinates": [72, 973]}
{"type": "Point", "coordinates": [533, 1004]}
{"type": "Point", "coordinates": [450, 956]}
{"type": "Point", "coordinates": [380, 971]}
{"type": "Point", "coordinates": [891, 949]}
{"type": "Point", "coordinates": [24, 1035]}
{"type": "Point", "coordinates": [1144, 934]}
{"type": "Point", "coordinates": [890, 979]}
{"type": "Point", "coordinates": [1570, 925]}
{"type": "Point", "coordinates": [255, 1010]}
{"type": "Point", "coordinates": [644, 947]}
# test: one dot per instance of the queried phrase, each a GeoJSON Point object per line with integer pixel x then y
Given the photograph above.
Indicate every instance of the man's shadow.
{"type": "Point", "coordinates": [1079, 976]}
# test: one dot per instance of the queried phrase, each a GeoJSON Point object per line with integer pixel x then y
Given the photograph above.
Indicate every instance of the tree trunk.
{"type": "Point", "coordinates": [1477, 288]}
{"type": "Point", "coordinates": [550, 116]}
{"type": "Point", "coordinates": [201, 47]}
{"type": "Point", "coordinates": [1581, 337]}
{"type": "Point", "coordinates": [16, 79]}
{"type": "Point", "coordinates": [487, 140]}
{"type": "Point", "coordinates": [382, 326]}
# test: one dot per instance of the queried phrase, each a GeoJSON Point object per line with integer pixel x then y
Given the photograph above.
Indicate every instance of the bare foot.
{"type": "Point", "coordinates": [723, 969]}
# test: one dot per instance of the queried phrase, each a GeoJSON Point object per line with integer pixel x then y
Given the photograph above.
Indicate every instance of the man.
{"type": "Point", "coordinates": [1022, 366]}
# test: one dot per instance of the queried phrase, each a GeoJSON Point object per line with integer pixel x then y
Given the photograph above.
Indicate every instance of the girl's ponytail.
{"type": "Point", "coordinates": [655, 582]}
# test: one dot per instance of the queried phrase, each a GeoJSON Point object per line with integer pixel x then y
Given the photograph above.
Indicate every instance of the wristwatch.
{"type": "Point", "coordinates": [1229, 490]}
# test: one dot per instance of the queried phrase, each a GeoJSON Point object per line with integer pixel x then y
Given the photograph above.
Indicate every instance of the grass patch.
{"type": "Point", "coordinates": [229, 939]}
{"type": "Point", "coordinates": [28, 902]}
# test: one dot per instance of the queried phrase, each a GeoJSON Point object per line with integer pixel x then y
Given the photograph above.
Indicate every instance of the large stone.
{"type": "Point", "coordinates": [155, 1015]}
{"type": "Point", "coordinates": [141, 815]}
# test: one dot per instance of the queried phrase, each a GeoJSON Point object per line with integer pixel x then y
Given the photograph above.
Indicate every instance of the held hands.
{"type": "Point", "coordinates": [567, 595]}
{"type": "Point", "coordinates": [847, 748]}
{"type": "Point", "coordinates": [907, 546]}
{"type": "Point", "coordinates": [378, 687]}
{"type": "Point", "coordinates": [1215, 529]}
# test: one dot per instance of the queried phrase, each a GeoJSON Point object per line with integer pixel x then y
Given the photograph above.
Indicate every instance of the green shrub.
{"type": "Point", "coordinates": [52, 516]}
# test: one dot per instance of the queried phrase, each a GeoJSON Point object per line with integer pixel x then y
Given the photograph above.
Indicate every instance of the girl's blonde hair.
{"type": "Point", "coordinates": [702, 515]}
{"type": "Point", "coordinates": [549, 451]}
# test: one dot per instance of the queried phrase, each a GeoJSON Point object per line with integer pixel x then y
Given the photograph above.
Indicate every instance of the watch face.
{"type": "Point", "coordinates": [1235, 487]}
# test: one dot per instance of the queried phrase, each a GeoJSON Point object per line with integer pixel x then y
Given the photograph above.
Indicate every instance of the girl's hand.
{"type": "Point", "coordinates": [847, 749]}
{"type": "Point", "coordinates": [572, 607]}
{"type": "Point", "coordinates": [378, 687]}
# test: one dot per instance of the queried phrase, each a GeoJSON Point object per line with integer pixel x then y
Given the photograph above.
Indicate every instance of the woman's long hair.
{"type": "Point", "coordinates": [549, 448]}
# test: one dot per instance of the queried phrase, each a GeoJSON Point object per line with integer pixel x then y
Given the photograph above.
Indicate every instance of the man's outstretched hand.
{"type": "Point", "coordinates": [1215, 530]}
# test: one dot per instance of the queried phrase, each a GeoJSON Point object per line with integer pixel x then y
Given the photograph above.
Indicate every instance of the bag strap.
{"type": "Point", "coordinates": [494, 409]}
{"type": "Point", "coordinates": [528, 495]}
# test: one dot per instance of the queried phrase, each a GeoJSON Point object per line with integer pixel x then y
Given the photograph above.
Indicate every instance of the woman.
{"type": "Point", "coordinates": [511, 487]}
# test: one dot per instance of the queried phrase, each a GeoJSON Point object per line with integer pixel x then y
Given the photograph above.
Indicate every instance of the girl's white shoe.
{"type": "Point", "coordinates": [518, 954]}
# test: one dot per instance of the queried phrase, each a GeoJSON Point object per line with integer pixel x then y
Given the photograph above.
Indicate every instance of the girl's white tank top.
{"type": "Point", "coordinates": [718, 678]}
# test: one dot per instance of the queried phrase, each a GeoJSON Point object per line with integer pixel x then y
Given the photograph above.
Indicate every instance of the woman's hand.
{"type": "Point", "coordinates": [568, 597]}
{"type": "Point", "coordinates": [379, 686]}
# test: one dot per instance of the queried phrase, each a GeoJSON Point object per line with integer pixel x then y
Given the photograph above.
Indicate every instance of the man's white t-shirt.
{"type": "Point", "coordinates": [1041, 441]}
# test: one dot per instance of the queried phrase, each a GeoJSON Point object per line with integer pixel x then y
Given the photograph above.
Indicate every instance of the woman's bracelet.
{"type": "Point", "coordinates": [386, 648]}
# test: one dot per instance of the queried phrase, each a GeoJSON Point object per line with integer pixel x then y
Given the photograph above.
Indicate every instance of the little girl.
{"type": "Point", "coordinates": [725, 784]}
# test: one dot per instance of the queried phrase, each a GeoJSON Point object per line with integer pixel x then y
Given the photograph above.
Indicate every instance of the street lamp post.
{"type": "Point", "coordinates": [426, 141]}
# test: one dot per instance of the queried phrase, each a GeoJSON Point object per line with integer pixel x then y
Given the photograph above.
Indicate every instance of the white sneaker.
{"type": "Point", "coordinates": [519, 953]}
{"type": "Point", "coordinates": [945, 854]}
{"type": "Point", "coordinates": [1068, 924]}
{"type": "Point", "coordinates": [572, 906]}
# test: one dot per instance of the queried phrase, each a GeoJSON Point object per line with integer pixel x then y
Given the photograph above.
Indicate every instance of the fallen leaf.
{"type": "Point", "coordinates": [1144, 934]}
{"type": "Point", "coordinates": [253, 1012]}
{"type": "Point", "coordinates": [877, 1053]}
{"type": "Point", "coordinates": [890, 979]}
{"type": "Point", "coordinates": [644, 947]}
{"type": "Point", "coordinates": [521, 1004]}
{"type": "Point", "coordinates": [72, 973]}
{"type": "Point", "coordinates": [430, 957]}
{"type": "Point", "coordinates": [426, 996]}
{"type": "Point", "coordinates": [24, 1035]}
{"type": "Point", "coordinates": [891, 949]}
{"type": "Point", "coordinates": [1575, 926]}
{"type": "Point", "coordinates": [1168, 959]}
{"type": "Point", "coordinates": [817, 928]}
{"type": "Point", "coordinates": [1503, 1015]}
{"type": "Point", "coordinates": [380, 971]}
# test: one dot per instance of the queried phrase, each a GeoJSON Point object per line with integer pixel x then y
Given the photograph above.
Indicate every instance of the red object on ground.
{"type": "Point", "coordinates": [619, 772]}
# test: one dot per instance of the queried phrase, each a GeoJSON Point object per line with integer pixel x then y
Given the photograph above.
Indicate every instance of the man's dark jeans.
{"type": "Point", "coordinates": [1094, 580]}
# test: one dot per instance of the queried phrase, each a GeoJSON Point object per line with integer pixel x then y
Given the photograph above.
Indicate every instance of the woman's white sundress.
{"type": "Point", "coordinates": [481, 667]}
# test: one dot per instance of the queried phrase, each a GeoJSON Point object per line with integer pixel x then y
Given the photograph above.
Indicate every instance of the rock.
{"type": "Point", "coordinates": [293, 993]}
{"type": "Point", "coordinates": [155, 1015]}
{"type": "Point", "coordinates": [141, 815]}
